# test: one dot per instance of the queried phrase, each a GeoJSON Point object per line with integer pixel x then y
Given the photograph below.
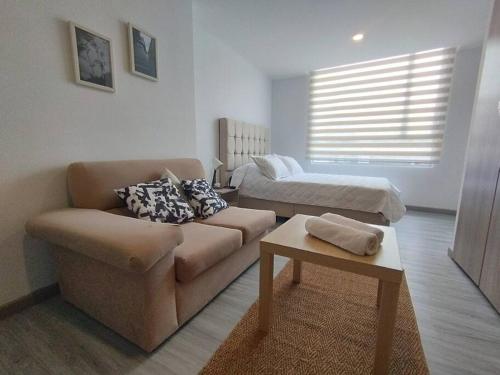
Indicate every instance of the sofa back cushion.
{"type": "Point", "coordinates": [92, 184]}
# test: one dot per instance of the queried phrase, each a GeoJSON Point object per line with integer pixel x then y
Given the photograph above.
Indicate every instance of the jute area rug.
{"type": "Point", "coordinates": [324, 325]}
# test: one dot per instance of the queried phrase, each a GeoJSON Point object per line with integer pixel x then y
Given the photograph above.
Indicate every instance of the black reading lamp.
{"type": "Point", "coordinates": [216, 164]}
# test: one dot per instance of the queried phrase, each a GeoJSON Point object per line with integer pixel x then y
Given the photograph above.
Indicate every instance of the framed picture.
{"type": "Point", "coordinates": [143, 53]}
{"type": "Point", "coordinates": [93, 58]}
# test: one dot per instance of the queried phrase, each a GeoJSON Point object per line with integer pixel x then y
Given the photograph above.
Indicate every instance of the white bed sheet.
{"type": "Point", "coordinates": [368, 194]}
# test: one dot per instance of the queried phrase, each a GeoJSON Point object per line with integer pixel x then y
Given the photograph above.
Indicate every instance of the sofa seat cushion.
{"type": "Point", "coordinates": [250, 222]}
{"type": "Point", "coordinates": [203, 247]}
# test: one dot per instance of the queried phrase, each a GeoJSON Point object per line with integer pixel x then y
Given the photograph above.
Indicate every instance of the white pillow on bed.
{"type": "Point", "coordinates": [271, 166]}
{"type": "Point", "coordinates": [292, 164]}
{"type": "Point", "coordinates": [239, 174]}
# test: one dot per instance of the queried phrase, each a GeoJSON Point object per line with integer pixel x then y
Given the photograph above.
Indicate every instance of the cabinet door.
{"type": "Point", "coordinates": [483, 155]}
{"type": "Point", "coordinates": [490, 274]}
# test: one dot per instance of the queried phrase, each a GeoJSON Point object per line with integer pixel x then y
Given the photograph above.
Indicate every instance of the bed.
{"type": "Point", "coordinates": [370, 199]}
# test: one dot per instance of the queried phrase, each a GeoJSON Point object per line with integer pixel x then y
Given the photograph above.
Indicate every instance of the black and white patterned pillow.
{"type": "Point", "coordinates": [157, 201]}
{"type": "Point", "coordinates": [204, 200]}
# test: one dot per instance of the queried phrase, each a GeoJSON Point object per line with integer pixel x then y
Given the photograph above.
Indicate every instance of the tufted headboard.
{"type": "Point", "coordinates": [237, 142]}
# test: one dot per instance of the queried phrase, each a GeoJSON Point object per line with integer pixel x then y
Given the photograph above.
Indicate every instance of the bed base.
{"type": "Point", "coordinates": [285, 209]}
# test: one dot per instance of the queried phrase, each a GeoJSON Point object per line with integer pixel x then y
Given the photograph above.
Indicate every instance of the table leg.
{"type": "Point", "coordinates": [379, 292]}
{"type": "Point", "coordinates": [297, 270]}
{"type": "Point", "coordinates": [385, 329]}
{"type": "Point", "coordinates": [265, 290]}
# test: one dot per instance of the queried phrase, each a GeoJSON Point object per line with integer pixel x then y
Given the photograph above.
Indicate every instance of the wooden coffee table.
{"type": "Point", "coordinates": [291, 240]}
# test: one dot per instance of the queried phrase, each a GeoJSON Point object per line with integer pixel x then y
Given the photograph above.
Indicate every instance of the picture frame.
{"type": "Point", "coordinates": [92, 58]}
{"type": "Point", "coordinates": [143, 50]}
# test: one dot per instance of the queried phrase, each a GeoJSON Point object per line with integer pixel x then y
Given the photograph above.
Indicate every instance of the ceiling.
{"type": "Point", "coordinates": [287, 38]}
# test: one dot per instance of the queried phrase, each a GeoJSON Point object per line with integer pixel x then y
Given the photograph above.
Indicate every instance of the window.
{"type": "Point", "coordinates": [390, 110]}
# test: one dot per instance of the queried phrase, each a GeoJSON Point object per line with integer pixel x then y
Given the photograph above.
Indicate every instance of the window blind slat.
{"type": "Point", "coordinates": [424, 151]}
{"type": "Point", "coordinates": [380, 159]}
{"type": "Point", "coordinates": [436, 53]}
{"type": "Point", "coordinates": [382, 87]}
{"type": "Point", "coordinates": [381, 143]}
{"type": "Point", "coordinates": [433, 107]}
{"type": "Point", "coordinates": [401, 131]}
{"type": "Point", "coordinates": [379, 119]}
{"type": "Point", "coordinates": [391, 110]}
{"type": "Point", "coordinates": [403, 89]}
{"type": "Point", "coordinates": [372, 78]}
{"type": "Point", "coordinates": [400, 126]}
{"type": "Point", "coordinates": [381, 83]}
{"type": "Point", "coordinates": [382, 102]}
{"type": "Point", "coordinates": [328, 142]}
{"type": "Point", "coordinates": [403, 68]}
{"type": "Point", "coordinates": [384, 135]}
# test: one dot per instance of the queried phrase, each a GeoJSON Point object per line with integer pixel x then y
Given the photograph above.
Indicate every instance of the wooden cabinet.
{"type": "Point", "coordinates": [476, 247]}
{"type": "Point", "coordinates": [490, 273]}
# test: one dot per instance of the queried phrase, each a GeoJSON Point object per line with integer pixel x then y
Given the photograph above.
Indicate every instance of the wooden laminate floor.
{"type": "Point", "coordinates": [460, 330]}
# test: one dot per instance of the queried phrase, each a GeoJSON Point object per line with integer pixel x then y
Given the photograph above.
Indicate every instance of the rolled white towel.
{"type": "Point", "coordinates": [351, 239]}
{"type": "Point", "coordinates": [342, 220]}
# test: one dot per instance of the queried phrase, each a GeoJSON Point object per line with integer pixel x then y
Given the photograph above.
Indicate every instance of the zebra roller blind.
{"type": "Point", "coordinates": [390, 110]}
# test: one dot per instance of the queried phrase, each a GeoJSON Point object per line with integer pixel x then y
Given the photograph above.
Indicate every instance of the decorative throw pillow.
{"type": "Point", "coordinates": [292, 164]}
{"type": "Point", "coordinates": [157, 201]}
{"type": "Point", "coordinates": [167, 173]}
{"type": "Point", "coordinates": [204, 200]}
{"type": "Point", "coordinates": [271, 166]}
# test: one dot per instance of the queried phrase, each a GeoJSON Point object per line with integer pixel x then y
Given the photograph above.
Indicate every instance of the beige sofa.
{"type": "Point", "coordinates": [143, 279]}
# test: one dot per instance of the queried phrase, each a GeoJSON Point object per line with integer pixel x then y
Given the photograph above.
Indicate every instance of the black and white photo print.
{"type": "Point", "coordinates": [143, 53]}
{"type": "Point", "coordinates": [93, 58]}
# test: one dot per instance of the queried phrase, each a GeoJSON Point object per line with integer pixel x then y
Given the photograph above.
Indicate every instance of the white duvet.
{"type": "Point", "coordinates": [369, 194]}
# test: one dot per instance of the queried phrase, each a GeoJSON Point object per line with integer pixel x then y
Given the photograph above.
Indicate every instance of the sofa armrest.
{"type": "Point", "coordinates": [128, 243]}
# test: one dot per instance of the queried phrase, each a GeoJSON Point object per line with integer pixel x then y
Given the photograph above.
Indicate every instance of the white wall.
{"type": "Point", "coordinates": [47, 121]}
{"type": "Point", "coordinates": [436, 187]}
{"type": "Point", "coordinates": [226, 86]}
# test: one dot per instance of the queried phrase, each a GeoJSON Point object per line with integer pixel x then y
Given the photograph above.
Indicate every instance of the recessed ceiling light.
{"type": "Point", "coordinates": [358, 37]}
